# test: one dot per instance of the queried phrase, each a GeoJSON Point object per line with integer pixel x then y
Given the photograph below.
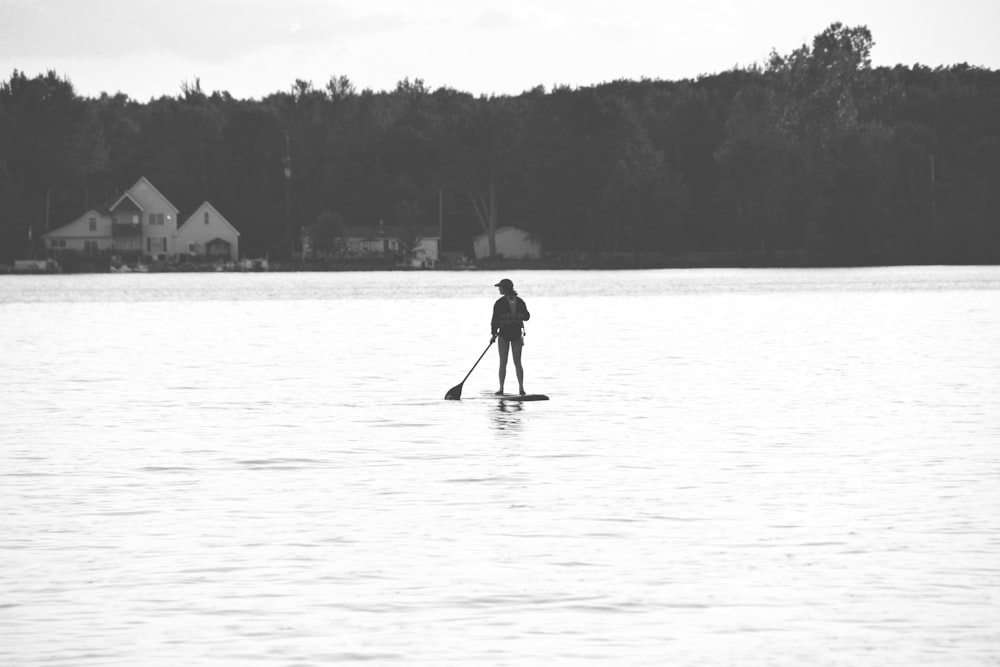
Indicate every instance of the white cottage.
{"type": "Point", "coordinates": [511, 243]}
{"type": "Point", "coordinates": [207, 233]}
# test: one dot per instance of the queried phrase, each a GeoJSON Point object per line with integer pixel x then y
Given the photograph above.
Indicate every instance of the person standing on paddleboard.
{"type": "Point", "coordinates": [507, 325]}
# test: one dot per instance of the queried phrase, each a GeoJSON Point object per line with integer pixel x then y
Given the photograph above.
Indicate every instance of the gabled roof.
{"type": "Point", "coordinates": [215, 213]}
{"type": "Point", "coordinates": [123, 202]}
{"type": "Point", "coordinates": [109, 205]}
{"type": "Point", "coordinates": [143, 179]}
{"type": "Point", "coordinates": [89, 214]}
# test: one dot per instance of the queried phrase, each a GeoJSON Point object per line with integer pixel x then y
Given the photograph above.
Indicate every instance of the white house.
{"type": "Point", "coordinates": [381, 240]}
{"type": "Point", "coordinates": [142, 224]}
{"type": "Point", "coordinates": [207, 233]}
{"type": "Point", "coordinates": [511, 243]}
{"type": "Point", "coordinates": [426, 252]}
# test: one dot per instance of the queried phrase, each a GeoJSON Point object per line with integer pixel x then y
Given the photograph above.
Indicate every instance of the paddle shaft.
{"type": "Point", "coordinates": [477, 362]}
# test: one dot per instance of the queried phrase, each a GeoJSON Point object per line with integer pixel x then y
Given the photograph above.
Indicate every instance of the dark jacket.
{"type": "Point", "coordinates": [506, 323]}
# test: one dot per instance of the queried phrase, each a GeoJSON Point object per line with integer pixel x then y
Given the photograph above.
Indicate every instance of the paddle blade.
{"type": "Point", "coordinates": [455, 392]}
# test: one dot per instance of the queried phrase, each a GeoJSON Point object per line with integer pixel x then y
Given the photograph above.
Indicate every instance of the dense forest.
{"type": "Point", "coordinates": [814, 154]}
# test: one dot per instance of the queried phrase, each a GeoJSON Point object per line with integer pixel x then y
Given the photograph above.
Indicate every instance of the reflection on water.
{"type": "Point", "coordinates": [507, 417]}
{"type": "Point", "coordinates": [762, 467]}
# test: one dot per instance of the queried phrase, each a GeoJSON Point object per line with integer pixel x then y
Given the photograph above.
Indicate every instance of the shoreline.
{"type": "Point", "coordinates": [565, 262]}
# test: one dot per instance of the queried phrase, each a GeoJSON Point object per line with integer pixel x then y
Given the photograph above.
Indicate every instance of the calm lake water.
{"type": "Point", "coordinates": [737, 467]}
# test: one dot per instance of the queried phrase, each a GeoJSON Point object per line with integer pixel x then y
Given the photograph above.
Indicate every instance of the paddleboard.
{"type": "Point", "coordinates": [517, 397]}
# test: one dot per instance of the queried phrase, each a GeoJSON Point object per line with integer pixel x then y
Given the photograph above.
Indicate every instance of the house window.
{"type": "Point", "coordinates": [135, 219]}
{"type": "Point", "coordinates": [90, 246]}
{"type": "Point", "coordinates": [192, 248]}
{"type": "Point", "coordinates": [155, 244]}
{"type": "Point", "coordinates": [93, 224]}
{"type": "Point", "coordinates": [155, 218]}
{"type": "Point", "coordinates": [206, 217]}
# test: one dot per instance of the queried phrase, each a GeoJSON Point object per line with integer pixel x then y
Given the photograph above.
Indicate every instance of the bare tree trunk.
{"type": "Point", "coordinates": [486, 211]}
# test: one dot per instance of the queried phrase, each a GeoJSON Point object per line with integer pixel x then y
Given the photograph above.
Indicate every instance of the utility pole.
{"type": "Point", "coordinates": [933, 188]}
{"type": "Point", "coordinates": [48, 211]}
{"type": "Point", "coordinates": [440, 218]}
{"type": "Point", "coordinates": [288, 196]}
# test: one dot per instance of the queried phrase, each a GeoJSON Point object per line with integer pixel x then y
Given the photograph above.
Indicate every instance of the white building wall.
{"type": "Point", "coordinates": [159, 217]}
{"type": "Point", "coordinates": [511, 243]}
{"type": "Point", "coordinates": [426, 251]}
{"type": "Point", "coordinates": [204, 225]}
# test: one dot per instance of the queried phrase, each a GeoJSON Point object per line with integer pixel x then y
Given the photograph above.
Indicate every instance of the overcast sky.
{"type": "Point", "coordinates": [252, 48]}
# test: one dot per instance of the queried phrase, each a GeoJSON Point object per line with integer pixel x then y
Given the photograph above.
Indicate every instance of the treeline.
{"type": "Point", "coordinates": [814, 153]}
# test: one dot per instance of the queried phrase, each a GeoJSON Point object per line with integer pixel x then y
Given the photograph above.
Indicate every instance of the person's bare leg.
{"type": "Point", "coordinates": [503, 346]}
{"type": "Point", "coordinates": [517, 345]}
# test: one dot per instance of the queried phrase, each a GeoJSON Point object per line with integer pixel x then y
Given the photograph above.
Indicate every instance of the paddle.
{"type": "Point", "coordinates": [455, 392]}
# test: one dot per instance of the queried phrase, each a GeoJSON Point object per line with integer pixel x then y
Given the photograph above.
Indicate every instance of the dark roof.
{"type": "Point", "coordinates": [384, 231]}
{"type": "Point", "coordinates": [104, 208]}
